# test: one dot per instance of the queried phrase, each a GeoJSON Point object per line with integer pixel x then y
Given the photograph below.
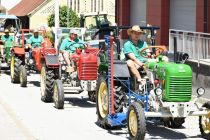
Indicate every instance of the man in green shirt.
{"type": "Point", "coordinates": [68, 47]}
{"type": "Point", "coordinates": [131, 51]}
{"type": "Point", "coordinates": [6, 39]}
{"type": "Point", "coordinates": [35, 40]}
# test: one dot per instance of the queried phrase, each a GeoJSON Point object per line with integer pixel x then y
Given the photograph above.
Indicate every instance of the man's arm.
{"type": "Point", "coordinates": [132, 57]}
{"type": "Point", "coordinates": [63, 46]}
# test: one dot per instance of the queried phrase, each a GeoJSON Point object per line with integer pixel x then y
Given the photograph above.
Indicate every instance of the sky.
{"type": "Point", "coordinates": [8, 4]}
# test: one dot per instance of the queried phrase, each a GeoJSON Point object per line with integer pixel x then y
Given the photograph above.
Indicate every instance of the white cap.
{"type": "Point", "coordinates": [73, 31]}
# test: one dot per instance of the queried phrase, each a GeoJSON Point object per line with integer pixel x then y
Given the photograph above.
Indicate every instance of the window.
{"type": "Point", "coordinates": [95, 6]}
{"type": "Point", "coordinates": [75, 5]}
{"type": "Point", "coordinates": [91, 5]}
{"type": "Point", "coordinates": [78, 6]}
{"type": "Point", "coordinates": [102, 5]}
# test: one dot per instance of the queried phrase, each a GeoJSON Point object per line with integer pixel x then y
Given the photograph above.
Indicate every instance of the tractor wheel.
{"type": "Point", "coordinates": [102, 105]}
{"type": "Point", "coordinates": [15, 69]}
{"type": "Point", "coordinates": [47, 80]}
{"type": "Point", "coordinates": [23, 76]}
{"type": "Point", "coordinates": [92, 96]}
{"type": "Point", "coordinates": [58, 94]}
{"type": "Point", "coordinates": [174, 122]}
{"type": "Point", "coordinates": [204, 123]}
{"type": "Point", "coordinates": [136, 121]}
{"type": "Point", "coordinates": [119, 101]}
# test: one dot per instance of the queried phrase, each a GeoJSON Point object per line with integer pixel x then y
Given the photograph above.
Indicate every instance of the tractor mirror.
{"type": "Point", "coordinates": [185, 56]}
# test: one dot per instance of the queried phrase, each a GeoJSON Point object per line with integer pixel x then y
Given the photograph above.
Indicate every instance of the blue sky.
{"type": "Point", "coordinates": [9, 3]}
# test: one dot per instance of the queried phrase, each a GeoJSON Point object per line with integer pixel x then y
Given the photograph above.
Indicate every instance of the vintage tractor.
{"type": "Point", "coordinates": [25, 60]}
{"type": "Point", "coordinates": [167, 95]}
{"type": "Point", "coordinates": [82, 78]}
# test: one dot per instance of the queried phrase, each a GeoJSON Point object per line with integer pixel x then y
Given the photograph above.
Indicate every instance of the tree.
{"type": "Point", "coordinates": [73, 18]}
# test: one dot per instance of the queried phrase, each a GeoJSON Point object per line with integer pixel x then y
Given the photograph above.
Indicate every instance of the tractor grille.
{"type": "Point", "coordinates": [88, 71]}
{"type": "Point", "coordinates": [180, 88]}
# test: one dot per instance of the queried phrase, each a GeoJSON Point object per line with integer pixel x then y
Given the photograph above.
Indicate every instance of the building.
{"type": "Point", "coordinates": [191, 15]}
{"type": "Point", "coordinates": [34, 13]}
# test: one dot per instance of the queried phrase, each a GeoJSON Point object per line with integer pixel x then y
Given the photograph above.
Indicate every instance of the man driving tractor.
{"type": "Point", "coordinates": [131, 51]}
{"type": "Point", "coordinates": [35, 40]}
{"type": "Point", "coordinates": [6, 39]}
{"type": "Point", "coordinates": [68, 47]}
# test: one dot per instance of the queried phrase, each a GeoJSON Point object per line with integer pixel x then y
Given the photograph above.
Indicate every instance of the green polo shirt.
{"type": "Point", "coordinates": [8, 40]}
{"type": "Point", "coordinates": [70, 46]}
{"type": "Point", "coordinates": [35, 41]}
{"type": "Point", "coordinates": [130, 47]}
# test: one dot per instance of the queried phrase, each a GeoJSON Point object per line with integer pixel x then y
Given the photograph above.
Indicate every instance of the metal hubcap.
{"type": "Point", "coordinates": [205, 121]}
{"type": "Point", "coordinates": [12, 67]}
{"type": "Point", "coordinates": [55, 95]}
{"type": "Point", "coordinates": [133, 122]}
{"type": "Point", "coordinates": [103, 100]}
{"type": "Point", "coordinates": [43, 81]}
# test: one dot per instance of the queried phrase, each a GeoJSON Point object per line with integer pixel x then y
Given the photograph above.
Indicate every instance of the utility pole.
{"type": "Point", "coordinates": [56, 21]}
{"type": "Point", "coordinates": [68, 3]}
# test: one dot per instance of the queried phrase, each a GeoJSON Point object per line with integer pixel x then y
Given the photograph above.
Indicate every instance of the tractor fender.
{"type": "Point", "coordinates": [18, 51]}
{"type": "Point", "coordinates": [121, 69]}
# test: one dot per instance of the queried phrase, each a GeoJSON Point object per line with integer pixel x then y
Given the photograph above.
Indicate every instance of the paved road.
{"type": "Point", "coordinates": [24, 116]}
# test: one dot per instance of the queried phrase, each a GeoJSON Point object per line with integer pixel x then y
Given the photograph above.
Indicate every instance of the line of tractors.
{"type": "Point", "coordinates": [103, 72]}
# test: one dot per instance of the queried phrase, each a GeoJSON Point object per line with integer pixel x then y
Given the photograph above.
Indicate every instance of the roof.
{"type": "Point", "coordinates": [25, 7]}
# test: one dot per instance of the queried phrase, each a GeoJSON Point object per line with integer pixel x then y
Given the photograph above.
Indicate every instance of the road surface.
{"type": "Point", "coordinates": [23, 116]}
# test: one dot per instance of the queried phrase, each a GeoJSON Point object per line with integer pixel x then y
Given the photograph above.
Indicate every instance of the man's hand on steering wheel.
{"type": "Point", "coordinates": [145, 54]}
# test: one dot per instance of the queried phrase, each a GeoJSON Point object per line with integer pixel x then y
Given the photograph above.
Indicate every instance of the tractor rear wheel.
{"type": "Point", "coordinates": [92, 96]}
{"type": "Point", "coordinates": [136, 121]}
{"type": "Point", "coordinates": [15, 69]}
{"type": "Point", "coordinates": [102, 105]}
{"type": "Point", "coordinates": [47, 79]}
{"type": "Point", "coordinates": [204, 123]}
{"type": "Point", "coordinates": [58, 94]}
{"type": "Point", "coordinates": [23, 76]}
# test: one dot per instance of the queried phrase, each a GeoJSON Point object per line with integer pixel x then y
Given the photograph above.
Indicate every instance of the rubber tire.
{"type": "Point", "coordinates": [174, 122]}
{"type": "Point", "coordinates": [92, 96]}
{"type": "Point", "coordinates": [141, 122]}
{"type": "Point", "coordinates": [49, 84]}
{"type": "Point", "coordinates": [119, 102]}
{"type": "Point", "coordinates": [204, 135]}
{"type": "Point", "coordinates": [102, 122]}
{"type": "Point", "coordinates": [59, 102]}
{"type": "Point", "coordinates": [23, 73]}
{"type": "Point", "coordinates": [17, 64]}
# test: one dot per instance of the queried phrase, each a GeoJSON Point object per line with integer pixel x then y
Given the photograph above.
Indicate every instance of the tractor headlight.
{"type": "Point", "coordinates": [31, 61]}
{"type": "Point", "coordinates": [200, 91]}
{"type": "Point", "coordinates": [158, 91]}
{"type": "Point", "coordinates": [63, 68]}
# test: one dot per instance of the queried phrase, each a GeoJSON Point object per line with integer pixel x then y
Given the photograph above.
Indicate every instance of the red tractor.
{"type": "Point", "coordinates": [24, 60]}
{"type": "Point", "coordinates": [83, 78]}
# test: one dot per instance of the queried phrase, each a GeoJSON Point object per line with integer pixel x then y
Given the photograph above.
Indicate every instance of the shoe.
{"type": "Point", "coordinates": [69, 69]}
{"type": "Point", "coordinates": [142, 84]}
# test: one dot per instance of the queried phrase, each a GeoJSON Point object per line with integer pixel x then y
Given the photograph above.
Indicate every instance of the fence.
{"type": "Point", "coordinates": [196, 44]}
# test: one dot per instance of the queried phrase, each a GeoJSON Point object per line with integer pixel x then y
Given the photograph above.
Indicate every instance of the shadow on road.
{"type": "Point", "coordinates": [34, 83]}
{"type": "Point", "coordinates": [84, 102]}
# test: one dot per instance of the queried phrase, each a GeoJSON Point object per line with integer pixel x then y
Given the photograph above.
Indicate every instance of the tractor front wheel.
{"type": "Point", "coordinates": [204, 123]}
{"type": "Point", "coordinates": [102, 105]}
{"type": "Point", "coordinates": [58, 94]}
{"type": "Point", "coordinates": [23, 76]}
{"type": "Point", "coordinates": [136, 121]}
{"type": "Point", "coordinates": [15, 69]}
{"type": "Point", "coordinates": [47, 80]}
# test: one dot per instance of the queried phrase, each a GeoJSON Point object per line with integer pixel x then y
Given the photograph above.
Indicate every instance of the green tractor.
{"type": "Point", "coordinates": [166, 96]}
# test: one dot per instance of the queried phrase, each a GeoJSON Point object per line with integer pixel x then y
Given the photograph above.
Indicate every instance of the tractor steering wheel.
{"type": "Point", "coordinates": [158, 50]}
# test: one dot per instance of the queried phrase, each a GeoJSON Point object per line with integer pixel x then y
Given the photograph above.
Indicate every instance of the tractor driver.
{"type": "Point", "coordinates": [5, 38]}
{"type": "Point", "coordinates": [68, 47]}
{"type": "Point", "coordinates": [131, 51]}
{"type": "Point", "coordinates": [35, 40]}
